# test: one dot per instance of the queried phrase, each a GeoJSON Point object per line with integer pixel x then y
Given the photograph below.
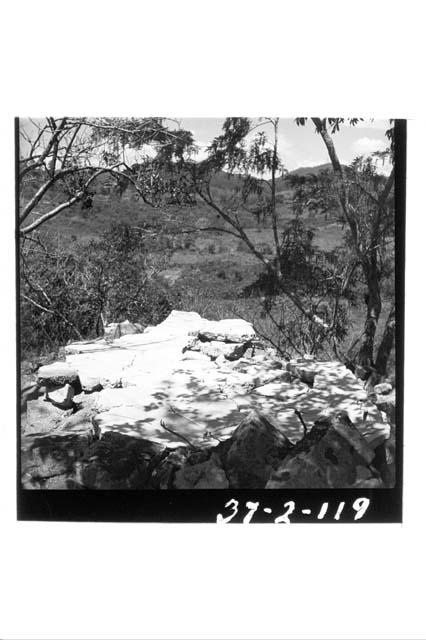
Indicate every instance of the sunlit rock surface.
{"type": "Point", "coordinates": [57, 374]}
{"type": "Point", "coordinates": [155, 387]}
{"type": "Point", "coordinates": [333, 455]}
{"type": "Point", "coordinates": [226, 330]}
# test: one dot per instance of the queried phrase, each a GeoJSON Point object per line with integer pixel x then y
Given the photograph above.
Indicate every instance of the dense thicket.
{"type": "Point", "coordinates": [68, 292]}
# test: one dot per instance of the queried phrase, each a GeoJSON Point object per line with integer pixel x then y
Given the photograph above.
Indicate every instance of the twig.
{"type": "Point", "coordinates": [178, 435]}
{"type": "Point", "coordinates": [208, 434]}
{"type": "Point", "coordinates": [299, 415]}
{"type": "Point", "coordinates": [178, 413]}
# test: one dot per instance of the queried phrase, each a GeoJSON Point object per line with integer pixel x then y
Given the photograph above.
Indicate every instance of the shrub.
{"type": "Point", "coordinates": [66, 290]}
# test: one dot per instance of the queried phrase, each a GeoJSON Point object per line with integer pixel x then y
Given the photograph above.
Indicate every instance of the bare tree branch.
{"type": "Point", "coordinates": [47, 149]}
{"type": "Point", "coordinates": [64, 205]}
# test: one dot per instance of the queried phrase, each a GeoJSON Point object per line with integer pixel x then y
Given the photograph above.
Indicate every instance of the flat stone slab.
{"type": "Point", "coordinates": [177, 323]}
{"type": "Point", "coordinates": [335, 373]}
{"type": "Point", "coordinates": [57, 373]}
{"type": "Point", "coordinates": [149, 377]}
{"type": "Point", "coordinates": [86, 347]}
{"type": "Point", "coordinates": [127, 360]}
{"type": "Point", "coordinates": [197, 423]}
{"type": "Point", "coordinates": [183, 401]}
{"type": "Point", "coordinates": [283, 392]}
{"type": "Point", "coordinates": [103, 367]}
{"type": "Point", "coordinates": [278, 402]}
{"type": "Point", "coordinates": [229, 330]}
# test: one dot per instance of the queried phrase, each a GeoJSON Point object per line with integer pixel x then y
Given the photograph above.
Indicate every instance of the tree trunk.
{"type": "Point", "coordinates": [386, 344]}
{"type": "Point", "coordinates": [274, 201]}
{"type": "Point", "coordinates": [374, 307]}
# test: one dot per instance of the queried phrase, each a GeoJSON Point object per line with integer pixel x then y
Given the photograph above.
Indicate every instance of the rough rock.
{"type": "Point", "coordinates": [238, 381]}
{"type": "Point", "coordinates": [31, 392]}
{"type": "Point", "coordinates": [112, 398]}
{"type": "Point", "coordinates": [101, 367]}
{"type": "Point", "coordinates": [204, 475]}
{"type": "Point", "coordinates": [185, 404]}
{"type": "Point", "coordinates": [308, 357]}
{"type": "Point", "coordinates": [81, 423]}
{"type": "Point", "coordinates": [90, 383]}
{"type": "Point", "coordinates": [119, 462]}
{"type": "Point", "coordinates": [63, 397]}
{"type": "Point", "coordinates": [215, 349]}
{"type": "Point", "coordinates": [57, 374]}
{"type": "Point", "coordinates": [383, 388]}
{"type": "Point", "coordinates": [229, 382]}
{"type": "Point", "coordinates": [226, 331]}
{"type": "Point", "coordinates": [361, 372]}
{"type": "Point", "coordinates": [43, 417]}
{"type": "Point", "coordinates": [304, 374]}
{"type": "Point", "coordinates": [85, 403]}
{"type": "Point", "coordinates": [111, 331]}
{"type": "Point", "coordinates": [181, 322]}
{"type": "Point", "coordinates": [54, 455]}
{"type": "Point", "coordinates": [53, 442]}
{"type": "Point", "coordinates": [335, 389]}
{"type": "Point", "coordinates": [259, 363]}
{"type": "Point", "coordinates": [163, 475]}
{"type": "Point", "coordinates": [277, 401]}
{"type": "Point", "coordinates": [149, 355]}
{"type": "Point", "coordinates": [341, 424]}
{"type": "Point", "coordinates": [115, 330]}
{"type": "Point", "coordinates": [191, 355]}
{"type": "Point", "coordinates": [185, 419]}
{"type": "Point", "coordinates": [375, 433]}
{"type": "Point", "coordinates": [70, 481]}
{"type": "Point", "coordinates": [253, 450]}
{"type": "Point", "coordinates": [130, 328]}
{"type": "Point", "coordinates": [149, 387]}
{"type": "Point", "coordinates": [333, 455]}
{"type": "Point", "coordinates": [387, 403]}
{"type": "Point", "coordinates": [171, 461]}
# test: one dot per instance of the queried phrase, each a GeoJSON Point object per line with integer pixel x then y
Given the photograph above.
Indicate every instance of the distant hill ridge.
{"type": "Point", "coordinates": [224, 180]}
{"type": "Point", "coordinates": [315, 170]}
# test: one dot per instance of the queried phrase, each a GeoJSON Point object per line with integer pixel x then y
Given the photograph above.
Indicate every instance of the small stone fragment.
{"type": "Point", "coordinates": [62, 398]}
{"type": "Point", "coordinates": [383, 388]}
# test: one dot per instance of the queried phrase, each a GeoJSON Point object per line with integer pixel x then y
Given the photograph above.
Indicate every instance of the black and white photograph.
{"type": "Point", "coordinates": [211, 304]}
{"type": "Point", "coordinates": [212, 320]}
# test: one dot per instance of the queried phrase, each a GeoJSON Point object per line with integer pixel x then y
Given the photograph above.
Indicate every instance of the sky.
{"type": "Point", "coordinates": [297, 146]}
{"type": "Point", "coordinates": [302, 146]}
